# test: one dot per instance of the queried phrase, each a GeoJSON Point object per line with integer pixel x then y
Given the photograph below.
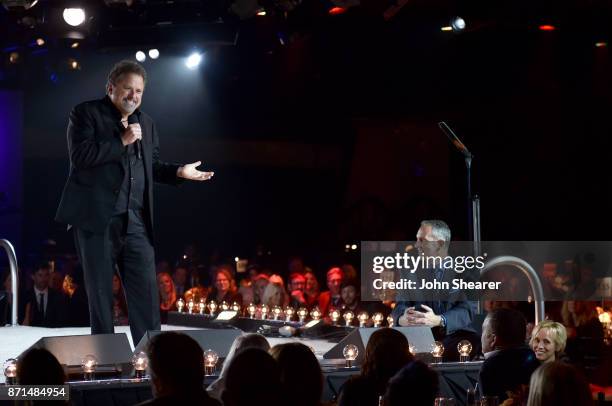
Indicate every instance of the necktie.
{"type": "Point", "coordinates": [41, 304]}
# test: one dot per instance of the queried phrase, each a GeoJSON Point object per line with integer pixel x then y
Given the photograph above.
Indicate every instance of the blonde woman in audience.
{"type": "Point", "coordinates": [275, 293]}
{"type": "Point", "coordinates": [558, 384]}
{"type": "Point", "coordinates": [548, 340]}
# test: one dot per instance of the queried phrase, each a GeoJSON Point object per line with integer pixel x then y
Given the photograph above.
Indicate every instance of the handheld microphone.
{"type": "Point", "coordinates": [133, 119]}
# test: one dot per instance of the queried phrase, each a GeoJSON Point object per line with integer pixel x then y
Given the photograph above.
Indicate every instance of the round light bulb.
{"type": "Point", "coordinates": [315, 314]}
{"type": "Point", "coordinates": [348, 317]}
{"type": "Point", "coordinates": [390, 321]}
{"type": "Point", "coordinates": [252, 309]}
{"type": "Point", "coordinates": [437, 349]}
{"type": "Point", "coordinates": [350, 353]}
{"type": "Point", "coordinates": [190, 305]}
{"type": "Point", "coordinates": [74, 16]}
{"type": "Point", "coordinates": [180, 304]}
{"type": "Point", "coordinates": [224, 306]}
{"type": "Point", "coordinates": [465, 349]}
{"type": "Point", "coordinates": [412, 349]}
{"type": "Point", "coordinates": [210, 361]}
{"type": "Point", "coordinates": [289, 312]}
{"type": "Point", "coordinates": [10, 368]}
{"type": "Point", "coordinates": [277, 311]}
{"type": "Point", "coordinates": [378, 318]}
{"type": "Point", "coordinates": [141, 56]}
{"type": "Point", "coordinates": [264, 311]}
{"type": "Point", "coordinates": [140, 361]}
{"type": "Point", "coordinates": [363, 318]}
{"type": "Point", "coordinates": [302, 313]}
{"type": "Point", "coordinates": [153, 53]}
{"type": "Point", "coordinates": [89, 364]}
{"type": "Point", "coordinates": [212, 307]}
{"type": "Point", "coordinates": [334, 315]}
{"type": "Point", "coordinates": [236, 307]}
{"type": "Point", "coordinates": [202, 306]}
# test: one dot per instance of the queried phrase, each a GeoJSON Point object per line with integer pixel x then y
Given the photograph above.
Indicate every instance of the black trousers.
{"type": "Point", "coordinates": [133, 256]}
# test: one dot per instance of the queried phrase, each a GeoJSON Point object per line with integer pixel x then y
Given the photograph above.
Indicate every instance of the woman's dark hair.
{"type": "Point", "coordinates": [300, 373]}
{"type": "Point", "coordinates": [39, 367]}
{"type": "Point", "coordinates": [417, 382]}
{"type": "Point", "coordinates": [250, 375]}
{"type": "Point", "coordinates": [386, 353]}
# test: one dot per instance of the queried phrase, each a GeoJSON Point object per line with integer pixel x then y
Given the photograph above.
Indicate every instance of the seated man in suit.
{"type": "Point", "coordinates": [509, 362]}
{"type": "Point", "coordinates": [451, 318]}
{"type": "Point", "coordinates": [332, 299]}
{"type": "Point", "coordinates": [45, 307]}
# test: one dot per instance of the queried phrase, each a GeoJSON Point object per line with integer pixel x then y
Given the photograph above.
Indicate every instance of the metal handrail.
{"type": "Point", "coordinates": [529, 272]}
{"type": "Point", "coordinates": [10, 251]}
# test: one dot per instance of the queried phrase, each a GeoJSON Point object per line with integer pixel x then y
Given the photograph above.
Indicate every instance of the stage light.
{"type": "Point", "coordinates": [252, 309]}
{"type": "Point", "coordinates": [224, 306]}
{"type": "Point", "coordinates": [601, 44]}
{"type": "Point", "coordinates": [354, 247]}
{"type": "Point", "coordinates": [348, 317]}
{"type": "Point", "coordinates": [236, 259]}
{"type": "Point", "coordinates": [14, 57]}
{"type": "Point", "coordinates": [210, 362]}
{"type": "Point", "coordinates": [40, 42]}
{"type": "Point", "coordinates": [202, 306]}
{"type": "Point", "coordinates": [74, 45]}
{"type": "Point", "coordinates": [236, 307]}
{"type": "Point", "coordinates": [302, 313]}
{"type": "Point", "coordinates": [88, 365]}
{"type": "Point", "coordinates": [465, 349]}
{"type": "Point", "coordinates": [604, 318]}
{"type": "Point", "coordinates": [74, 16]}
{"type": "Point", "coordinates": [289, 312]}
{"type": "Point", "coordinates": [264, 309]}
{"type": "Point", "coordinates": [334, 315]}
{"type": "Point", "coordinates": [190, 306]}
{"type": "Point", "coordinates": [212, 307]}
{"type": "Point", "coordinates": [378, 319]}
{"type": "Point", "coordinates": [547, 27]}
{"type": "Point", "coordinates": [74, 64]}
{"type": "Point", "coordinates": [140, 56]}
{"type": "Point", "coordinates": [412, 349]}
{"type": "Point", "coordinates": [350, 353]}
{"type": "Point", "coordinates": [276, 312]}
{"type": "Point", "coordinates": [180, 304]}
{"type": "Point", "coordinates": [437, 349]}
{"type": "Point", "coordinates": [458, 24]}
{"type": "Point", "coordinates": [193, 61]}
{"type": "Point", "coordinates": [446, 28]}
{"type": "Point", "coordinates": [336, 10]}
{"type": "Point", "coordinates": [18, 5]}
{"type": "Point", "coordinates": [140, 363]}
{"type": "Point", "coordinates": [315, 314]}
{"type": "Point", "coordinates": [153, 53]}
{"type": "Point", "coordinates": [363, 318]}
{"type": "Point", "coordinates": [10, 371]}
{"type": "Point", "coordinates": [390, 321]}
{"type": "Point", "coordinates": [261, 12]}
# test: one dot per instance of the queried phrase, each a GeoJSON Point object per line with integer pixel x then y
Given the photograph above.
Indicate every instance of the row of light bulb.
{"type": "Point", "coordinates": [277, 313]}
{"type": "Point", "coordinates": [89, 364]}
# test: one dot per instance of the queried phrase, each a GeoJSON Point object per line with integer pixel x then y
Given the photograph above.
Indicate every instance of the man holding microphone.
{"type": "Point", "coordinates": [108, 198]}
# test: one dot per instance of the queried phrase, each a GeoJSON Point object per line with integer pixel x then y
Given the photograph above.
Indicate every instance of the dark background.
{"type": "Point", "coordinates": [332, 138]}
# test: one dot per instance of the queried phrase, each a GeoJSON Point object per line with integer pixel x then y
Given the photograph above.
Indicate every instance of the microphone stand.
{"type": "Point", "coordinates": [473, 202]}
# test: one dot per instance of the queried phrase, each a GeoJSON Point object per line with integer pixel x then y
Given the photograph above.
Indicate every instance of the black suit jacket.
{"type": "Point", "coordinates": [506, 370]}
{"type": "Point", "coordinates": [55, 314]}
{"type": "Point", "coordinates": [96, 169]}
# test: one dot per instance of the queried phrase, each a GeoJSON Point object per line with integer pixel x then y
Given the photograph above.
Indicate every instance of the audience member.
{"type": "Point", "coordinates": [300, 374]}
{"type": "Point", "coordinates": [78, 307]}
{"type": "Point", "coordinates": [503, 345]}
{"type": "Point", "coordinates": [167, 295]}
{"type": "Point", "coordinates": [45, 307]}
{"type": "Point", "coordinates": [296, 287]}
{"type": "Point", "coordinates": [241, 343]}
{"type": "Point", "coordinates": [180, 277]}
{"type": "Point", "coordinates": [558, 384]}
{"type": "Point", "coordinates": [259, 287]}
{"type": "Point", "coordinates": [39, 367]}
{"type": "Point", "coordinates": [386, 353]}
{"type": "Point", "coordinates": [275, 294]}
{"type": "Point", "coordinates": [331, 298]}
{"type": "Point", "coordinates": [311, 291]}
{"type": "Point", "coordinates": [416, 382]}
{"type": "Point", "coordinates": [252, 378]}
{"type": "Point", "coordinates": [224, 289]}
{"type": "Point", "coordinates": [176, 365]}
{"type": "Point", "coordinates": [350, 293]}
{"type": "Point", "coordinates": [548, 341]}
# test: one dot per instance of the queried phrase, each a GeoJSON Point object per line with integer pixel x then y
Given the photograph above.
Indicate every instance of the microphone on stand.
{"type": "Point", "coordinates": [133, 119]}
{"type": "Point", "coordinates": [450, 134]}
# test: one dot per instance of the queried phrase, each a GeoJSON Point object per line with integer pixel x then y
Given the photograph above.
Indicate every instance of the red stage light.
{"type": "Point", "coordinates": [547, 27]}
{"type": "Point", "coordinates": [336, 10]}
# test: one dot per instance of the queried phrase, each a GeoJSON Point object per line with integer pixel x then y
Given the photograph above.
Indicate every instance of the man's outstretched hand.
{"type": "Point", "coordinates": [189, 171]}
